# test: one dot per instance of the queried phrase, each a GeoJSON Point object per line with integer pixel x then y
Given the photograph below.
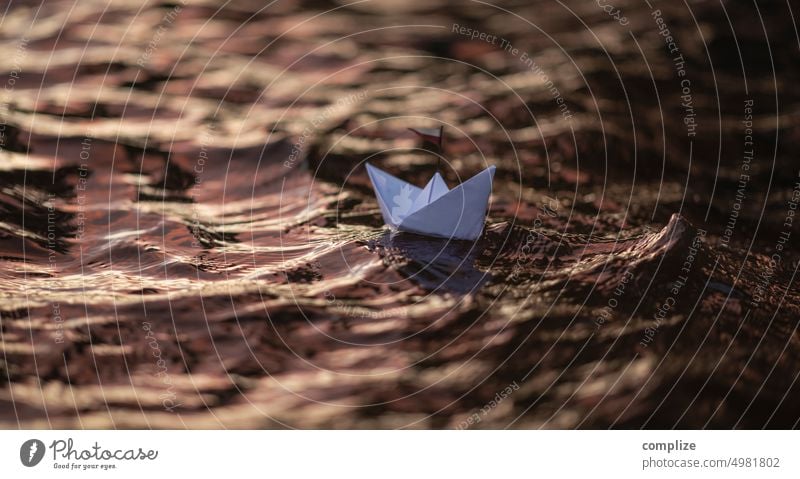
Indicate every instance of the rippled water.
{"type": "Point", "coordinates": [189, 238]}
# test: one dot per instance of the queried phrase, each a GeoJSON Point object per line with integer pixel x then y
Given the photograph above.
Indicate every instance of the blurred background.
{"type": "Point", "coordinates": [188, 237]}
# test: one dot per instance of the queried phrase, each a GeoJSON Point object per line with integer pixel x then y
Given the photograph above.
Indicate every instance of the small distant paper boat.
{"type": "Point", "coordinates": [434, 210]}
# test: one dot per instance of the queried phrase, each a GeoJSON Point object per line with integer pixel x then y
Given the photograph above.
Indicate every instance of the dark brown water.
{"type": "Point", "coordinates": [188, 237]}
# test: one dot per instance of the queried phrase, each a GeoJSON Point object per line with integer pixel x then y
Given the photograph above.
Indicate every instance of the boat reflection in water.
{"type": "Point", "coordinates": [436, 264]}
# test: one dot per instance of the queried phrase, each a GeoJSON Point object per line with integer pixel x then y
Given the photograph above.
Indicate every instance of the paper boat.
{"type": "Point", "coordinates": [434, 210]}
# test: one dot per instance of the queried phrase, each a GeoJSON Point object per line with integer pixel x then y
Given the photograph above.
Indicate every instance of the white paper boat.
{"type": "Point", "coordinates": [434, 210]}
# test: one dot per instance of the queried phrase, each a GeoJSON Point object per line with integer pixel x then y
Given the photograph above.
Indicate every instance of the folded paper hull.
{"type": "Point", "coordinates": [435, 210]}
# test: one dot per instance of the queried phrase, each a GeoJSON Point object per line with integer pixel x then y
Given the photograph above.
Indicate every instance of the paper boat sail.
{"type": "Point", "coordinates": [434, 136]}
{"type": "Point", "coordinates": [434, 210]}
